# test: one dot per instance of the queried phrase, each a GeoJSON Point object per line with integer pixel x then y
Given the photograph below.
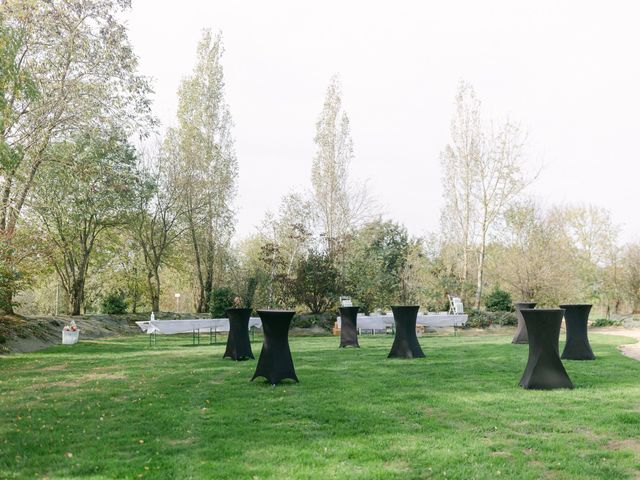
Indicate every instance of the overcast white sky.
{"type": "Point", "coordinates": [569, 72]}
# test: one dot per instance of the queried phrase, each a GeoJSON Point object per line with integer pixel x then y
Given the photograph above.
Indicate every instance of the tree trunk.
{"type": "Point", "coordinates": [206, 294]}
{"type": "Point", "coordinates": [6, 270]}
{"type": "Point", "coordinates": [77, 285]}
{"type": "Point", "coordinates": [480, 278]}
{"type": "Point", "coordinates": [207, 286]}
{"type": "Point", "coordinates": [155, 301]}
{"type": "Point", "coordinates": [76, 296]}
{"type": "Point", "coordinates": [153, 283]}
{"type": "Point", "coordinates": [6, 302]}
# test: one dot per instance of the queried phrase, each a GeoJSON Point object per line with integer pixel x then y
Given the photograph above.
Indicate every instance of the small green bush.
{"type": "Point", "coordinates": [498, 300]}
{"type": "Point", "coordinates": [114, 304]}
{"type": "Point", "coordinates": [322, 320]}
{"type": "Point", "coordinates": [484, 319]}
{"type": "Point", "coordinates": [605, 322]}
{"type": "Point", "coordinates": [220, 300]}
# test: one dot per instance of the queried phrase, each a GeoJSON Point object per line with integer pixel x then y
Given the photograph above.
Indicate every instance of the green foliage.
{"type": "Point", "coordinates": [498, 300]}
{"type": "Point", "coordinates": [89, 186]}
{"type": "Point", "coordinates": [484, 319]}
{"type": "Point", "coordinates": [251, 286]}
{"type": "Point", "coordinates": [315, 283]}
{"type": "Point", "coordinates": [66, 68]}
{"type": "Point", "coordinates": [376, 261]}
{"type": "Point", "coordinates": [202, 146]}
{"type": "Point", "coordinates": [16, 86]}
{"type": "Point", "coordinates": [220, 300]}
{"type": "Point", "coordinates": [606, 322]}
{"type": "Point", "coordinates": [323, 320]}
{"type": "Point", "coordinates": [9, 282]}
{"type": "Point", "coordinates": [114, 303]}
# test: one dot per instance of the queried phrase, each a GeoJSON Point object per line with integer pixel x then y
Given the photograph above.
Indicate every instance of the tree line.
{"type": "Point", "coordinates": [99, 209]}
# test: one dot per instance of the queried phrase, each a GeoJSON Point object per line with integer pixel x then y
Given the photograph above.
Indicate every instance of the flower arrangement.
{"type": "Point", "coordinates": [72, 327]}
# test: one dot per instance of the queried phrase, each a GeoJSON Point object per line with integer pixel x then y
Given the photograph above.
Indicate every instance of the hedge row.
{"type": "Point", "coordinates": [484, 319]}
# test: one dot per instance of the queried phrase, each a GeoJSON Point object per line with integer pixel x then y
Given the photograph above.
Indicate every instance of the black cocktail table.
{"type": "Point", "coordinates": [577, 347]}
{"type": "Point", "coordinates": [349, 327]}
{"type": "Point", "coordinates": [521, 330]}
{"type": "Point", "coordinates": [238, 343]}
{"type": "Point", "coordinates": [275, 362]}
{"type": "Point", "coordinates": [405, 343]}
{"type": "Point", "coordinates": [544, 370]}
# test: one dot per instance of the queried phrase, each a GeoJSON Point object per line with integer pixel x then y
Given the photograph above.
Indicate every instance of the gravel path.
{"type": "Point", "coordinates": [630, 350]}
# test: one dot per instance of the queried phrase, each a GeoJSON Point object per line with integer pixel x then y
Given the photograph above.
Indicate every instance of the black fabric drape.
{"type": "Point", "coordinates": [275, 362]}
{"type": "Point", "coordinates": [349, 327]}
{"type": "Point", "coordinates": [521, 330]}
{"type": "Point", "coordinates": [405, 343]}
{"type": "Point", "coordinates": [577, 347]}
{"type": "Point", "coordinates": [238, 343]}
{"type": "Point", "coordinates": [544, 370]}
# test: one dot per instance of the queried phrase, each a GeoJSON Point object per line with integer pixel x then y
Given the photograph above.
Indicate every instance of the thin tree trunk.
{"type": "Point", "coordinates": [6, 302]}
{"type": "Point", "coordinates": [156, 296]}
{"type": "Point", "coordinates": [153, 284]}
{"type": "Point", "coordinates": [482, 253]}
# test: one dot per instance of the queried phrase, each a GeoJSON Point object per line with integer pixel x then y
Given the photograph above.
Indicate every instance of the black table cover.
{"type": "Point", "coordinates": [405, 343]}
{"type": "Point", "coordinates": [577, 346]}
{"type": "Point", "coordinates": [521, 330]}
{"type": "Point", "coordinates": [544, 370]}
{"type": "Point", "coordinates": [275, 362]}
{"type": "Point", "coordinates": [238, 343]}
{"type": "Point", "coordinates": [349, 327]}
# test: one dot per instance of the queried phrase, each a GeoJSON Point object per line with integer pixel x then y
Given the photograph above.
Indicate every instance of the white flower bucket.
{"type": "Point", "coordinates": [69, 337]}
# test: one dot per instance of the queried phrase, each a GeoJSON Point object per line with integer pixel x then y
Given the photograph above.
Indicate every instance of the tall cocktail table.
{"type": "Point", "coordinates": [521, 330]}
{"type": "Point", "coordinates": [275, 362]}
{"type": "Point", "coordinates": [349, 327]}
{"type": "Point", "coordinates": [238, 343]}
{"type": "Point", "coordinates": [577, 347]}
{"type": "Point", "coordinates": [405, 343]}
{"type": "Point", "coordinates": [544, 370]}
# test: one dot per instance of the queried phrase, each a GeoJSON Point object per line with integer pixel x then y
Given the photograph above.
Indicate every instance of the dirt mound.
{"type": "Point", "coordinates": [27, 334]}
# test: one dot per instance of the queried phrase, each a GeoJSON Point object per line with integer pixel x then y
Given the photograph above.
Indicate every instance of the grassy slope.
{"type": "Point", "coordinates": [118, 409]}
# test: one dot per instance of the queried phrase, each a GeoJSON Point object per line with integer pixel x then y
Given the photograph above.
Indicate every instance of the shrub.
{"type": "Point", "coordinates": [498, 300]}
{"type": "Point", "coordinates": [605, 322]}
{"type": "Point", "coordinates": [114, 304]}
{"type": "Point", "coordinates": [323, 320]}
{"type": "Point", "coordinates": [483, 319]}
{"type": "Point", "coordinates": [315, 283]}
{"type": "Point", "coordinates": [220, 300]}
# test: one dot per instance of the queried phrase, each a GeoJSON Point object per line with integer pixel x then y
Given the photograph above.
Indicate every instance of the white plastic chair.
{"type": "Point", "coordinates": [455, 306]}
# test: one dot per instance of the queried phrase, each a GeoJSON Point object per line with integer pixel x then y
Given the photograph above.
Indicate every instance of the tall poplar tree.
{"type": "Point", "coordinates": [331, 167]}
{"type": "Point", "coordinates": [203, 146]}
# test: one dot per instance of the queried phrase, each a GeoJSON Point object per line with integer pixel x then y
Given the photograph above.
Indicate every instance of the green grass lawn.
{"type": "Point", "coordinates": [120, 409]}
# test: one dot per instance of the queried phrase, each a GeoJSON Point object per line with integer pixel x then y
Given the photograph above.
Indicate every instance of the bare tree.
{"type": "Point", "coordinates": [593, 237]}
{"type": "Point", "coordinates": [499, 182]}
{"type": "Point", "coordinates": [340, 204]}
{"type": "Point", "coordinates": [483, 175]}
{"type": "Point", "coordinates": [631, 275]}
{"type": "Point", "coordinates": [532, 256]}
{"type": "Point", "coordinates": [460, 161]}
